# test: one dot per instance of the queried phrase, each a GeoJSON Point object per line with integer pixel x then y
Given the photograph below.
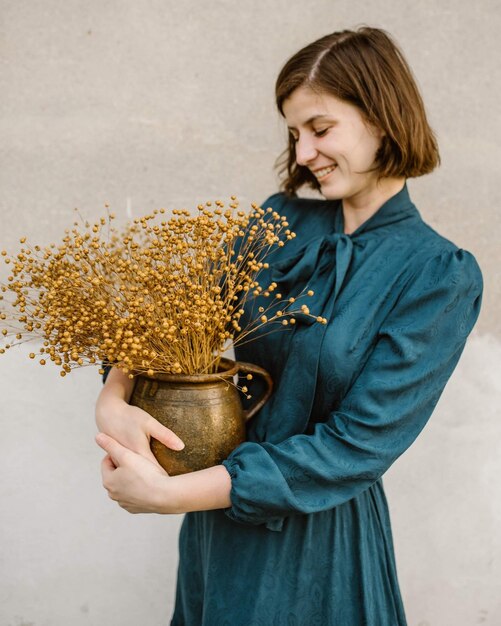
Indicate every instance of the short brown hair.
{"type": "Point", "coordinates": [367, 69]}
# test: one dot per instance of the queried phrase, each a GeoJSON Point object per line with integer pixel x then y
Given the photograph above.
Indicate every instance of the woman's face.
{"type": "Point", "coordinates": [334, 142]}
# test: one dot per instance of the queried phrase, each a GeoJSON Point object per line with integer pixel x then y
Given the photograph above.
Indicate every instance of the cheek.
{"type": "Point", "coordinates": [366, 150]}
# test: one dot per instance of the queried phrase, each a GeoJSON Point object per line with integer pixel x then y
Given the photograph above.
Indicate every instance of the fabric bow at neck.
{"type": "Point", "coordinates": [329, 255]}
{"type": "Point", "coordinates": [320, 265]}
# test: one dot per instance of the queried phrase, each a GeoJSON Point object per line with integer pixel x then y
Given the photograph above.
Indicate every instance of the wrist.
{"type": "Point", "coordinates": [108, 406]}
{"type": "Point", "coordinates": [119, 384]}
{"type": "Point", "coordinates": [169, 492]}
{"type": "Point", "coordinates": [204, 490]}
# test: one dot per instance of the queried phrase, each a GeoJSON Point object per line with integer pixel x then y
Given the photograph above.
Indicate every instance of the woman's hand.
{"type": "Point", "coordinates": [137, 484]}
{"type": "Point", "coordinates": [129, 425]}
{"type": "Point", "coordinates": [140, 486]}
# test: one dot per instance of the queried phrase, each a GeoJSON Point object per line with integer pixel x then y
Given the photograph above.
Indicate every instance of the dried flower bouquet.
{"type": "Point", "coordinates": [160, 296]}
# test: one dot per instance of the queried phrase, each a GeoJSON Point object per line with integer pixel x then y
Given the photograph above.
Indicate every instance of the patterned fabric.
{"type": "Point", "coordinates": [307, 539]}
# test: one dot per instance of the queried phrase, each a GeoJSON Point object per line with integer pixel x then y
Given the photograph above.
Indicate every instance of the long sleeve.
{"type": "Point", "coordinates": [387, 406]}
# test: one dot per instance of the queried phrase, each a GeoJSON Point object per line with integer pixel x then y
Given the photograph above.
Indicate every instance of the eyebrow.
{"type": "Point", "coordinates": [313, 118]}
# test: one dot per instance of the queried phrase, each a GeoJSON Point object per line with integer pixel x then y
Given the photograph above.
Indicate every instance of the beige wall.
{"type": "Point", "coordinates": [161, 103]}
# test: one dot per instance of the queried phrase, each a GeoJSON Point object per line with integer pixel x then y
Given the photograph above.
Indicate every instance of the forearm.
{"type": "Point", "coordinates": [203, 490]}
{"type": "Point", "coordinates": [118, 385]}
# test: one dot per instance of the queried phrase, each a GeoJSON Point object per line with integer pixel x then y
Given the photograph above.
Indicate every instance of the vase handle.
{"type": "Point", "coordinates": [250, 368]}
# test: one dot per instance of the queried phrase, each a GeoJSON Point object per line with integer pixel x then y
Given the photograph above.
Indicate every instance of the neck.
{"type": "Point", "coordinates": [358, 209]}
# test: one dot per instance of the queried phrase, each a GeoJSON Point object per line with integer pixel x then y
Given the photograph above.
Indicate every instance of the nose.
{"type": "Point", "coordinates": [306, 151]}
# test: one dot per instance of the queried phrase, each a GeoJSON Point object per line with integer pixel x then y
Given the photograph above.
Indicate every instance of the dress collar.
{"type": "Point", "coordinates": [397, 208]}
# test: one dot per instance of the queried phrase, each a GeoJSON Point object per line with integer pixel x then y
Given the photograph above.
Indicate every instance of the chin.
{"type": "Point", "coordinates": [331, 194]}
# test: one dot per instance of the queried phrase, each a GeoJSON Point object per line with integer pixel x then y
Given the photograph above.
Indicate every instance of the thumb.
{"type": "Point", "coordinates": [116, 451]}
{"type": "Point", "coordinates": [165, 435]}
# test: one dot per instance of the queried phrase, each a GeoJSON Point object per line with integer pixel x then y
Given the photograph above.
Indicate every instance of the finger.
{"type": "Point", "coordinates": [107, 463]}
{"type": "Point", "coordinates": [107, 469]}
{"type": "Point", "coordinates": [130, 508]}
{"type": "Point", "coordinates": [116, 451]}
{"type": "Point", "coordinates": [165, 435]}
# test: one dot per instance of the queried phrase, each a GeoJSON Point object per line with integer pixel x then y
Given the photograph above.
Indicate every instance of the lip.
{"type": "Point", "coordinates": [319, 178]}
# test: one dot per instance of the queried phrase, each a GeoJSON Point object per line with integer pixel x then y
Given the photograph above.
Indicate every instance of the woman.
{"type": "Point", "coordinates": [293, 527]}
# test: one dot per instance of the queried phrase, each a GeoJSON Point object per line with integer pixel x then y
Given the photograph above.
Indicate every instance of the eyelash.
{"type": "Point", "coordinates": [317, 133]}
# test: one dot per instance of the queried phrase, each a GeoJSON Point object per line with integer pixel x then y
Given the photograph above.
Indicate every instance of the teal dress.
{"type": "Point", "coordinates": [307, 540]}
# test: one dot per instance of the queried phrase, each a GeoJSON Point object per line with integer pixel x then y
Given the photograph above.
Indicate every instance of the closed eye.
{"type": "Point", "coordinates": [317, 133]}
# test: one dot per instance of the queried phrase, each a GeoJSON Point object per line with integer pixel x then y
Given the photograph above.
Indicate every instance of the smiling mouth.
{"type": "Point", "coordinates": [325, 171]}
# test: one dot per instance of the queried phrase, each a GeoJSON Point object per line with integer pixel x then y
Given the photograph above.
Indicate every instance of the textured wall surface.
{"type": "Point", "coordinates": [159, 103]}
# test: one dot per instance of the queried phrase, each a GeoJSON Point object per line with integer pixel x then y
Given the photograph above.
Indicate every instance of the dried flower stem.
{"type": "Point", "coordinates": [161, 296]}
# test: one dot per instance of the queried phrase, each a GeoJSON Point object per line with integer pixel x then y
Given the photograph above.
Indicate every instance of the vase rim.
{"type": "Point", "coordinates": [227, 369]}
